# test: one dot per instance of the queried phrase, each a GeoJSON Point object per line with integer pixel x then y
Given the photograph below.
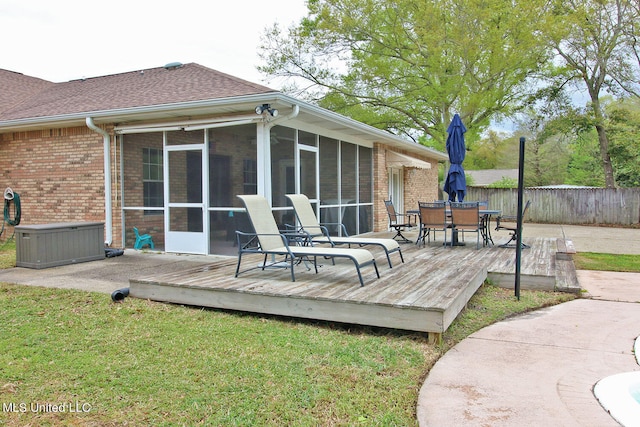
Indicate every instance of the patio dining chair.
{"type": "Point", "coordinates": [320, 233]}
{"type": "Point", "coordinates": [398, 221]}
{"type": "Point", "coordinates": [433, 216]}
{"type": "Point", "coordinates": [292, 246]}
{"type": "Point", "coordinates": [465, 216]}
{"type": "Point", "coordinates": [511, 226]}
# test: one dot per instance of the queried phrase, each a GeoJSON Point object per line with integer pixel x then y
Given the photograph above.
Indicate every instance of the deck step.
{"type": "Point", "coordinates": [565, 250]}
{"type": "Point", "coordinates": [566, 277]}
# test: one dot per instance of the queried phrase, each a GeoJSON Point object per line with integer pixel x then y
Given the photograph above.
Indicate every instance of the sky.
{"type": "Point", "coordinates": [62, 40]}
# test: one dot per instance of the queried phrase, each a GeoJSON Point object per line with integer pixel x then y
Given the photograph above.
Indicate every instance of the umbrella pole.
{"type": "Point", "coordinates": [454, 232]}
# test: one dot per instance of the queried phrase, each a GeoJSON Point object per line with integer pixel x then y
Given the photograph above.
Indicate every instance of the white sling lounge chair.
{"type": "Point", "coordinates": [320, 234]}
{"type": "Point", "coordinates": [273, 242]}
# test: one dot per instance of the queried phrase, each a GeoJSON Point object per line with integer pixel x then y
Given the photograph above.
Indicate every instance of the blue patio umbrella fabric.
{"type": "Point", "coordinates": [456, 184]}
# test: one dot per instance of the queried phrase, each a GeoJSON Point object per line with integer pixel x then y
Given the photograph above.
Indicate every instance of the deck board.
{"type": "Point", "coordinates": [425, 293]}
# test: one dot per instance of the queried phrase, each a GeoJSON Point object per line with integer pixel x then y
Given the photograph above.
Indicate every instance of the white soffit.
{"type": "Point", "coordinates": [402, 160]}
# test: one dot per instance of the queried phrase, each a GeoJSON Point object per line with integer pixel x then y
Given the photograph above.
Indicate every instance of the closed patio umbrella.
{"type": "Point", "coordinates": [456, 184]}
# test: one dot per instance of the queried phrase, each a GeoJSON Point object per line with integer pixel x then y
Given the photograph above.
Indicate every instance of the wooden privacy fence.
{"type": "Point", "coordinates": [618, 206]}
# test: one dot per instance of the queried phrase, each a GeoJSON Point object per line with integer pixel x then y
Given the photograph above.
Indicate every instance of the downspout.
{"type": "Point", "coordinates": [108, 208]}
{"type": "Point", "coordinates": [292, 115]}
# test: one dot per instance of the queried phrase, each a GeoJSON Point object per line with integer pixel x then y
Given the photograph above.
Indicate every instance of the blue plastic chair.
{"type": "Point", "coordinates": [142, 240]}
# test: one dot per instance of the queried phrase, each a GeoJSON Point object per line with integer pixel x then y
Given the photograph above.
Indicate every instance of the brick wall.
{"type": "Point", "coordinates": [58, 174]}
{"type": "Point", "coordinates": [419, 185]}
{"type": "Point", "coordinates": [380, 188]}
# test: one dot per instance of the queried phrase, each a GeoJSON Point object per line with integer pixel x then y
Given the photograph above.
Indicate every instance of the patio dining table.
{"type": "Point", "coordinates": [485, 218]}
{"type": "Point", "coordinates": [485, 222]}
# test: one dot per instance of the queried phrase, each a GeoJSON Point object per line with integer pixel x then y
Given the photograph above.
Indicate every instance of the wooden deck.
{"type": "Point", "coordinates": [426, 293]}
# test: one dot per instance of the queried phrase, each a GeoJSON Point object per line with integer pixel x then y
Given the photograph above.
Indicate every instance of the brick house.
{"type": "Point", "coordinates": [167, 149]}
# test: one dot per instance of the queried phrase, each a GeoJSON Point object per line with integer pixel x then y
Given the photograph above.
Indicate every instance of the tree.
{"type": "Point", "coordinates": [623, 122]}
{"type": "Point", "coordinates": [493, 151]}
{"type": "Point", "coordinates": [407, 66]}
{"type": "Point", "coordinates": [596, 42]}
{"type": "Point", "coordinates": [546, 149]}
{"type": "Point", "coordinates": [585, 164]}
{"type": "Point", "coordinates": [575, 126]}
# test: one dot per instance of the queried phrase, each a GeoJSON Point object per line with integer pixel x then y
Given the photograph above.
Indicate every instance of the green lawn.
{"type": "Point", "coordinates": [146, 363]}
{"type": "Point", "coordinates": [8, 254]}
{"type": "Point", "coordinates": [607, 262]}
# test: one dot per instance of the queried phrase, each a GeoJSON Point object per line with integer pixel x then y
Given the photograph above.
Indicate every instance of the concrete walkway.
{"type": "Point", "coordinates": [105, 275]}
{"type": "Point", "coordinates": [540, 368]}
{"type": "Point", "coordinates": [607, 240]}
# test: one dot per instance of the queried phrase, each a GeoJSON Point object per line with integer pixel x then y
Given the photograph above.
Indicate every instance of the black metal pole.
{"type": "Point", "coordinates": [519, 224]}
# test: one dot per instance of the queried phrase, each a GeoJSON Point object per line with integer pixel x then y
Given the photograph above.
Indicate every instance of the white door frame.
{"type": "Point", "coordinates": [195, 242]}
{"type": "Point", "coordinates": [396, 188]}
{"type": "Point", "coordinates": [314, 199]}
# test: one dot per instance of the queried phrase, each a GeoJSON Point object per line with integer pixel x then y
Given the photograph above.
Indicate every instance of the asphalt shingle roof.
{"type": "Point", "coordinates": [23, 97]}
{"type": "Point", "coordinates": [16, 87]}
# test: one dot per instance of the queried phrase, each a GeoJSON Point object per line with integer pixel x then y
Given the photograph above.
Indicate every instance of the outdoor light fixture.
{"type": "Point", "coordinates": [260, 109]}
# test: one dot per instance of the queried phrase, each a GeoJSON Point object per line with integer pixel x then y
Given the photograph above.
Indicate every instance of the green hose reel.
{"type": "Point", "coordinates": [11, 199]}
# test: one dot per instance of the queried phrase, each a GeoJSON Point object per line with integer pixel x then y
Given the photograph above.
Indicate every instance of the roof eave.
{"type": "Point", "coordinates": [381, 135]}
{"type": "Point", "coordinates": [132, 113]}
{"type": "Point", "coordinates": [220, 105]}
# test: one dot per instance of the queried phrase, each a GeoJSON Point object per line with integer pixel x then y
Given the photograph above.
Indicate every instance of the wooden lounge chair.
{"type": "Point", "coordinates": [320, 234]}
{"type": "Point", "coordinates": [270, 241]}
{"type": "Point", "coordinates": [511, 226]}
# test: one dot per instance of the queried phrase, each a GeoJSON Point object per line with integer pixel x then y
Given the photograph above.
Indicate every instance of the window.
{"type": "Point", "coordinates": [250, 176]}
{"type": "Point", "coordinates": [152, 179]}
